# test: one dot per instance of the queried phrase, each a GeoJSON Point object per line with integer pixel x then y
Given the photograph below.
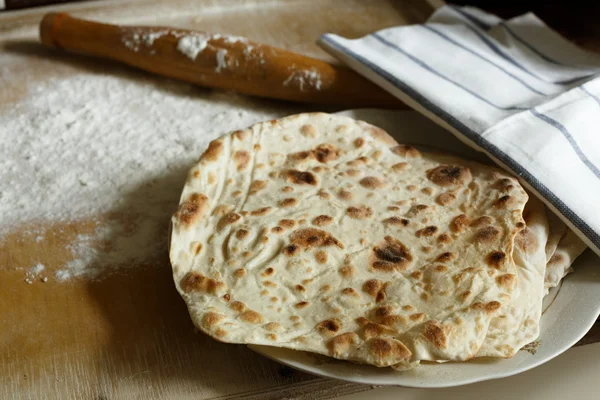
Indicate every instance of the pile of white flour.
{"type": "Point", "coordinates": [93, 145]}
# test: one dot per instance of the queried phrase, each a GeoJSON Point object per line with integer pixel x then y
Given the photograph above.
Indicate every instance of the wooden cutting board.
{"type": "Point", "coordinates": [128, 335]}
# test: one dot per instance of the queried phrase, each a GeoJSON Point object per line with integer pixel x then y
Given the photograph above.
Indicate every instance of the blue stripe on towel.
{"type": "Point", "coordinates": [462, 46]}
{"type": "Point", "coordinates": [476, 20]}
{"type": "Point", "coordinates": [580, 224]}
{"type": "Point", "coordinates": [425, 66]}
{"type": "Point", "coordinates": [560, 127]}
{"type": "Point", "coordinates": [592, 95]}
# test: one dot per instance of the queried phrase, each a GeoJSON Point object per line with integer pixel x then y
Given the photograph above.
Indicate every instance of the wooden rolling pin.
{"type": "Point", "coordinates": [217, 61]}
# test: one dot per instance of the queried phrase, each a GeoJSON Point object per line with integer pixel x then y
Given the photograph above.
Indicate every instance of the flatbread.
{"type": "Point", "coordinates": [558, 229]}
{"type": "Point", "coordinates": [559, 265]}
{"type": "Point", "coordinates": [320, 233]}
{"type": "Point", "coordinates": [517, 324]}
{"type": "Point", "coordinates": [562, 248]}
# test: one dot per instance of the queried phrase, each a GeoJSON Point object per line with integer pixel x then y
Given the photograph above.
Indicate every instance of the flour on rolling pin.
{"type": "Point", "coordinates": [303, 77]}
{"type": "Point", "coordinates": [188, 44]}
{"type": "Point", "coordinates": [133, 41]}
{"type": "Point", "coordinates": [191, 45]}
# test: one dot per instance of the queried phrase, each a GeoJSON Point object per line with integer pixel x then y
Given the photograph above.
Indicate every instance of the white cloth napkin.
{"type": "Point", "coordinates": [514, 89]}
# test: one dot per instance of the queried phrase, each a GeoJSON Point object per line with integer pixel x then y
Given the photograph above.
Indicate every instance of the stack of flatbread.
{"type": "Point", "coordinates": [321, 233]}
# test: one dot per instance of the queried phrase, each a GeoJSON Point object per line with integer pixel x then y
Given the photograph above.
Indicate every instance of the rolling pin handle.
{"type": "Point", "coordinates": [48, 28]}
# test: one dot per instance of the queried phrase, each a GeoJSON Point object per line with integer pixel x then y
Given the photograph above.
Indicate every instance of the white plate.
{"type": "Point", "coordinates": [570, 311]}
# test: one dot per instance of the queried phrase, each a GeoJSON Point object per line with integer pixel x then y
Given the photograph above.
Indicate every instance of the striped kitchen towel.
{"type": "Point", "coordinates": [514, 89]}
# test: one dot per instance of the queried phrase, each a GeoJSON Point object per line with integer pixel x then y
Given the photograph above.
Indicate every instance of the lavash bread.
{"type": "Point", "coordinates": [559, 264]}
{"type": "Point", "coordinates": [557, 229]}
{"type": "Point", "coordinates": [320, 233]}
{"type": "Point", "coordinates": [517, 324]}
{"type": "Point", "coordinates": [562, 248]}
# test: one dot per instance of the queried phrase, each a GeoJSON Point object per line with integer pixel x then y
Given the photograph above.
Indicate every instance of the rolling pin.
{"type": "Point", "coordinates": [216, 61]}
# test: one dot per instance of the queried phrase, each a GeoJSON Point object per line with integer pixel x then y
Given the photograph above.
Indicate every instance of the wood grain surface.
{"type": "Point", "coordinates": [127, 335]}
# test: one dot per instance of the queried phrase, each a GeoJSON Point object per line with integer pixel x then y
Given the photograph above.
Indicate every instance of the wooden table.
{"type": "Point", "coordinates": [128, 335]}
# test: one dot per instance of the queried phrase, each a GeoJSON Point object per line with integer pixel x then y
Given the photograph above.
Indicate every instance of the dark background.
{"type": "Point", "coordinates": [576, 19]}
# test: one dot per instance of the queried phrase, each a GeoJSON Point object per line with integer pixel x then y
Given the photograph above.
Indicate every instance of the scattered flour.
{"type": "Point", "coordinates": [132, 42]}
{"type": "Point", "coordinates": [192, 45]}
{"type": "Point", "coordinates": [34, 272]}
{"type": "Point", "coordinates": [221, 62]}
{"type": "Point", "coordinates": [113, 148]}
{"type": "Point", "coordinates": [135, 39]}
{"type": "Point", "coordinates": [37, 269]}
{"type": "Point", "coordinates": [304, 79]}
{"type": "Point", "coordinates": [149, 38]}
